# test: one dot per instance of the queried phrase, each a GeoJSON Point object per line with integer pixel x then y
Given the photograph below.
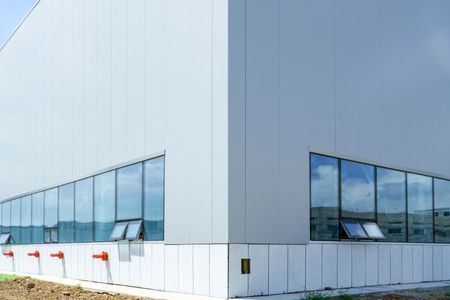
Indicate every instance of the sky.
{"type": "Point", "coordinates": [12, 13]}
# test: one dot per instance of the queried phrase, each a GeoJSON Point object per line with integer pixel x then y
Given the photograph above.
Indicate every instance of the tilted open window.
{"type": "Point", "coordinates": [130, 230]}
{"type": "Point", "coordinates": [118, 231]}
{"type": "Point", "coordinates": [50, 235]}
{"type": "Point", "coordinates": [361, 229]}
{"type": "Point", "coordinates": [5, 239]}
{"type": "Point", "coordinates": [134, 230]}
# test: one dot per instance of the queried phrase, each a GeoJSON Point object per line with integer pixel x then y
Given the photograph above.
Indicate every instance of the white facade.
{"type": "Point", "coordinates": [236, 94]}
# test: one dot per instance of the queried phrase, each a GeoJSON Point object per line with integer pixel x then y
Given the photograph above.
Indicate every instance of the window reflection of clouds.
{"type": "Point", "coordinates": [420, 205]}
{"type": "Point", "coordinates": [324, 198]}
{"type": "Point", "coordinates": [358, 190]}
{"type": "Point", "coordinates": [104, 208]}
{"type": "Point", "coordinates": [37, 218]}
{"type": "Point", "coordinates": [84, 210]}
{"type": "Point", "coordinates": [391, 205]}
{"type": "Point", "coordinates": [51, 208]}
{"type": "Point", "coordinates": [129, 192]}
{"type": "Point", "coordinates": [66, 213]}
{"type": "Point", "coordinates": [154, 199]}
{"type": "Point", "coordinates": [442, 210]}
{"type": "Point", "coordinates": [25, 219]}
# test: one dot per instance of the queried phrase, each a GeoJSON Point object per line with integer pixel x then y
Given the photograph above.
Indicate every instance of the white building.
{"type": "Point", "coordinates": [231, 130]}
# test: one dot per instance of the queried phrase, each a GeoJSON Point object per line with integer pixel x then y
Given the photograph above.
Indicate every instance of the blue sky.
{"type": "Point", "coordinates": [12, 13]}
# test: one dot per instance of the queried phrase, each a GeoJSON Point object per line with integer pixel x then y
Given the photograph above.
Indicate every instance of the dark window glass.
{"type": "Point", "coordinates": [354, 229]}
{"type": "Point", "coordinates": [66, 213]}
{"type": "Point", "coordinates": [358, 190]}
{"type": "Point", "coordinates": [324, 198]}
{"type": "Point", "coordinates": [51, 208]}
{"type": "Point", "coordinates": [391, 205]}
{"type": "Point", "coordinates": [15, 221]}
{"type": "Point", "coordinates": [129, 192]}
{"type": "Point", "coordinates": [420, 208]}
{"type": "Point", "coordinates": [25, 220]}
{"type": "Point", "coordinates": [154, 199]}
{"type": "Point", "coordinates": [442, 205]}
{"type": "Point", "coordinates": [6, 217]}
{"type": "Point", "coordinates": [105, 205]}
{"type": "Point", "coordinates": [84, 210]}
{"type": "Point", "coordinates": [37, 218]}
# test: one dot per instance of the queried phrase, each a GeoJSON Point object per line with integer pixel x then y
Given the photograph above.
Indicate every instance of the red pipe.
{"type": "Point", "coordinates": [103, 256]}
{"type": "Point", "coordinates": [10, 254]}
{"type": "Point", "coordinates": [35, 253]}
{"type": "Point", "coordinates": [59, 255]}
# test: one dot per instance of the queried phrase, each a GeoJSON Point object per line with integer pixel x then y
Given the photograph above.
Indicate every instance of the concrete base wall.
{"type": "Point", "coordinates": [277, 269]}
{"type": "Point", "coordinates": [190, 269]}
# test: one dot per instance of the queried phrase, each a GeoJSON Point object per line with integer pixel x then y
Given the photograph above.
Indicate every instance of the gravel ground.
{"type": "Point", "coordinates": [417, 294]}
{"type": "Point", "coordinates": [29, 288]}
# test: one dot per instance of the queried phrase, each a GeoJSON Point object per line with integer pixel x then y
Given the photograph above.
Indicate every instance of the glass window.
{"type": "Point", "coordinates": [25, 220]}
{"type": "Point", "coordinates": [420, 208]}
{"type": "Point", "coordinates": [1, 218]}
{"type": "Point", "coordinates": [391, 204]}
{"type": "Point", "coordinates": [154, 199]}
{"type": "Point", "coordinates": [118, 231]}
{"type": "Point", "coordinates": [441, 209]}
{"type": "Point", "coordinates": [51, 208]}
{"type": "Point", "coordinates": [105, 205]}
{"type": "Point", "coordinates": [324, 198]}
{"type": "Point", "coordinates": [134, 230]}
{"type": "Point", "coordinates": [15, 221]}
{"type": "Point", "coordinates": [358, 190]}
{"type": "Point", "coordinates": [84, 210]}
{"type": "Point", "coordinates": [6, 217]}
{"type": "Point", "coordinates": [37, 218]}
{"type": "Point", "coordinates": [66, 213]}
{"type": "Point", "coordinates": [129, 192]}
{"type": "Point", "coordinates": [354, 229]}
{"type": "Point", "coordinates": [5, 238]}
{"type": "Point", "coordinates": [372, 230]}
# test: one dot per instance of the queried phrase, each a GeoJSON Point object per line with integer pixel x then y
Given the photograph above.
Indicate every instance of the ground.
{"type": "Point", "coordinates": [18, 288]}
{"type": "Point", "coordinates": [417, 294]}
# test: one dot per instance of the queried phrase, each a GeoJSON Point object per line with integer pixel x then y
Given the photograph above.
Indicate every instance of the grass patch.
{"type": "Point", "coordinates": [343, 296]}
{"type": "Point", "coordinates": [314, 296]}
{"type": "Point", "coordinates": [7, 277]}
{"type": "Point", "coordinates": [78, 287]}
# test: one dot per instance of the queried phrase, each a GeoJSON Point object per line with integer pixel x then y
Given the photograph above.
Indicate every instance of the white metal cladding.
{"type": "Point", "coordinates": [86, 84]}
{"type": "Point", "coordinates": [368, 79]}
{"type": "Point", "coordinates": [148, 265]}
{"type": "Point", "coordinates": [279, 269]}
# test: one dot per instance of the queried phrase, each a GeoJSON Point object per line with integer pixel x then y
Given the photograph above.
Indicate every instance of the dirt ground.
{"type": "Point", "coordinates": [28, 288]}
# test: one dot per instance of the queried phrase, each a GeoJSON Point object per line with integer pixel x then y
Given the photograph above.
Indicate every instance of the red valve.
{"type": "Point", "coordinates": [35, 253]}
{"type": "Point", "coordinates": [59, 255]}
{"type": "Point", "coordinates": [103, 256]}
{"type": "Point", "coordinates": [10, 254]}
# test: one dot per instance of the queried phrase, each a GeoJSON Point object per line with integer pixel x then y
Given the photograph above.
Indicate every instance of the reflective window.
{"type": "Point", "coordinates": [66, 213]}
{"type": "Point", "coordinates": [420, 208]}
{"type": "Point", "coordinates": [37, 218]}
{"type": "Point", "coordinates": [391, 204]}
{"type": "Point", "coordinates": [51, 208]}
{"type": "Point", "coordinates": [84, 210]}
{"type": "Point", "coordinates": [6, 217]}
{"type": "Point", "coordinates": [358, 190]}
{"type": "Point", "coordinates": [25, 220]}
{"type": "Point", "coordinates": [372, 230]}
{"type": "Point", "coordinates": [441, 210]}
{"type": "Point", "coordinates": [105, 205]}
{"type": "Point", "coordinates": [129, 192]}
{"type": "Point", "coordinates": [15, 221]}
{"type": "Point", "coordinates": [5, 238]}
{"type": "Point", "coordinates": [324, 198]}
{"type": "Point", "coordinates": [353, 229]}
{"type": "Point", "coordinates": [154, 199]}
{"type": "Point", "coordinates": [118, 232]}
{"type": "Point", "coordinates": [1, 219]}
{"type": "Point", "coordinates": [134, 230]}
